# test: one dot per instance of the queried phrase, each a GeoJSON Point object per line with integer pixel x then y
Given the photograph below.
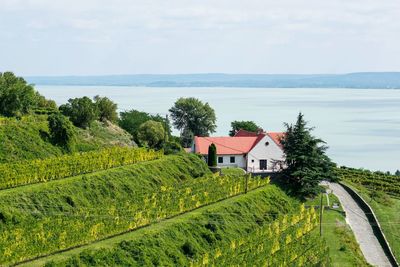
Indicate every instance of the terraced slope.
{"type": "Point", "coordinates": [44, 218]}
{"type": "Point", "coordinates": [262, 227]}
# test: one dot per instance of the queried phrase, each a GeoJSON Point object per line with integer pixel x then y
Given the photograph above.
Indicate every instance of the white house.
{"type": "Point", "coordinates": [254, 152]}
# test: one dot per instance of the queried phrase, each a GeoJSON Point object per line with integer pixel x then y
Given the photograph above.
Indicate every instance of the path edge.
{"type": "Point", "coordinates": [376, 227]}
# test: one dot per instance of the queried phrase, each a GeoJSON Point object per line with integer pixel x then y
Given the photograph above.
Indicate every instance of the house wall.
{"type": "Point", "coordinates": [240, 161]}
{"type": "Point", "coordinates": [269, 152]}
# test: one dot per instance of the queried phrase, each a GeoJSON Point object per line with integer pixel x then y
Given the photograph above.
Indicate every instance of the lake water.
{"type": "Point", "coordinates": [360, 126]}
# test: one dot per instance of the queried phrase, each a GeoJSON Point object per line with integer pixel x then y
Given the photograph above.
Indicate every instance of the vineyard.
{"type": "Point", "coordinates": [387, 183]}
{"type": "Point", "coordinates": [36, 171]}
{"type": "Point", "coordinates": [262, 228]}
{"type": "Point", "coordinates": [67, 213]}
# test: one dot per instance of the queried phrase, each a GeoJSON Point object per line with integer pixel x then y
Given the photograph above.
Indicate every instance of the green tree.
{"type": "Point", "coordinates": [107, 109]}
{"type": "Point", "coordinates": [172, 147]}
{"type": "Point", "coordinates": [305, 159]}
{"type": "Point", "coordinates": [16, 96]}
{"type": "Point", "coordinates": [193, 117]}
{"type": "Point", "coordinates": [212, 156]}
{"type": "Point", "coordinates": [397, 173]}
{"type": "Point", "coordinates": [44, 104]}
{"type": "Point", "coordinates": [61, 131]}
{"type": "Point", "coordinates": [131, 120]}
{"type": "Point", "coordinates": [151, 134]}
{"type": "Point", "coordinates": [250, 126]}
{"type": "Point", "coordinates": [81, 111]}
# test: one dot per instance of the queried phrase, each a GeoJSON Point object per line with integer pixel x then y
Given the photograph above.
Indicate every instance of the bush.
{"type": "Point", "coordinates": [61, 131]}
{"type": "Point", "coordinates": [172, 148]}
{"type": "Point", "coordinates": [151, 134]}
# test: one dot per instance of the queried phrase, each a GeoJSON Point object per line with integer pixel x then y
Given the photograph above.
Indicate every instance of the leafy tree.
{"type": "Point", "coordinates": [107, 109]}
{"type": "Point", "coordinates": [193, 117]}
{"type": "Point", "coordinates": [306, 162]}
{"type": "Point", "coordinates": [16, 96]}
{"type": "Point", "coordinates": [131, 120]}
{"type": "Point", "coordinates": [397, 173]}
{"type": "Point", "coordinates": [151, 134]}
{"type": "Point", "coordinates": [250, 126]}
{"type": "Point", "coordinates": [61, 131]}
{"type": "Point", "coordinates": [81, 111]}
{"type": "Point", "coordinates": [212, 155]}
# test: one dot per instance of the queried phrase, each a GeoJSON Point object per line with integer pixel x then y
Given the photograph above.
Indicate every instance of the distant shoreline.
{"type": "Point", "coordinates": [362, 80]}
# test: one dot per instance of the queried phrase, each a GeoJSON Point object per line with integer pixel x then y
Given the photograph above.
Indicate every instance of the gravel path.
{"type": "Point", "coordinates": [362, 230]}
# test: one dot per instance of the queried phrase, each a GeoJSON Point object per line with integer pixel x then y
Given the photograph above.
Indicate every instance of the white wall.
{"type": "Point", "coordinates": [269, 152]}
{"type": "Point", "coordinates": [240, 161]}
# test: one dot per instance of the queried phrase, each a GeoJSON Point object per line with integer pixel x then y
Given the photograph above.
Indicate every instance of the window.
{"type": "Point", "coordinates": [232, 159]}
{"type": "Point", "coordinates": [220, 159]}
{"type": "Point", "coordinates": [263, 164]}
{"type": "Point", "coordinates": [266, 143]}
{"type": "Point", "coordinates": [252, 160]}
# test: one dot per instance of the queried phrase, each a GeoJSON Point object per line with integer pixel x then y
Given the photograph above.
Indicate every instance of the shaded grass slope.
{"type": "Point", "coordinates": [28, 138]}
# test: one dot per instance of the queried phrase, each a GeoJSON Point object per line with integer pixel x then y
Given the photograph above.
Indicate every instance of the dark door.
{"type": "Point", "coordinates": [263, 164]}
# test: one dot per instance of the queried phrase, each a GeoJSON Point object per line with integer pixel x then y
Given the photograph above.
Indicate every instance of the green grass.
{"type": "Point", "coordinates": [232, 171]}
{"type": "Point", "coordinates": [317, 201]}
{"type": "Point", "coordinates": [387, 211]}
{"type": "Point", "coordinates": [178, 241]}
{"type": "Point", "coordinates": [28, 138]}
{"type": "Point", "coordinates": [343, 247]}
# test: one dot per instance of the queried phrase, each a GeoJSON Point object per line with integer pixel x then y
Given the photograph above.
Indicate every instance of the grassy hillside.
{"type": "Point", "coordinates": [386, 208]}
{"type": "Point", "coordinates": [27, 138]}
{"type": "Point", "coordinates": [43, 218]}
{"type": "Point", "coordinates": [263, 226]}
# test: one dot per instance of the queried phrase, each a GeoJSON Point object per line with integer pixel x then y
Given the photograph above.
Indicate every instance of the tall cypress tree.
{"type": "Point", "coordinates": [306, 162]}
{"type": "Point", "coordinates": [212, 155]}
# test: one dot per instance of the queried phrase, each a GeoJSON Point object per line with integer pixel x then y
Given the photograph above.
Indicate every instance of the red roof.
{"type": "Point", "coordinates": [276, 137]}
{"type": "Point", "coordinates": [225, 145]}
{"type": "Point", "coordinates": [242, 132]}
{"type": "Point", "coordinates": [241, 143]}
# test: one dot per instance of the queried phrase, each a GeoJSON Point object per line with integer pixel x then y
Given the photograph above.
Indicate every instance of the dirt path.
{"type": "Point", "coordinates": [363, 232]}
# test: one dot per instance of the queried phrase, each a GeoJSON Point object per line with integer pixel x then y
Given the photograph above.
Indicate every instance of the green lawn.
{"type": "Point", "coordinates": [343, 248]}
{"type": "Point", "coordinates": [387, 210]}
{"type": "Point", "coordinates": [230, 171]}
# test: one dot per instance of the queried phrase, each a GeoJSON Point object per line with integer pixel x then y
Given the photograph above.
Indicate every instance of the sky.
{"type": "Point", "coordinates": [96, 37]}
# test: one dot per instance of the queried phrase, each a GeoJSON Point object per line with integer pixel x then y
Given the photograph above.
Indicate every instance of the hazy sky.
{"type": "Point", "coordinates": [61, 37]}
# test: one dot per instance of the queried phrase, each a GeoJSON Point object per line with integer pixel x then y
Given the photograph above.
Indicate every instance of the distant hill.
{"type": "Point", "coordinates": [352, 80]}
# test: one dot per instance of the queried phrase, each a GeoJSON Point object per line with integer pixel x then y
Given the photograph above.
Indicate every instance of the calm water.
{"type": "Point", "coordinates": [361, 126]}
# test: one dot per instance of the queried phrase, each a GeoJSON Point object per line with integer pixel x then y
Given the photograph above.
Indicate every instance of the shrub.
{"type": "Point", "coordinates": [61, 131]}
